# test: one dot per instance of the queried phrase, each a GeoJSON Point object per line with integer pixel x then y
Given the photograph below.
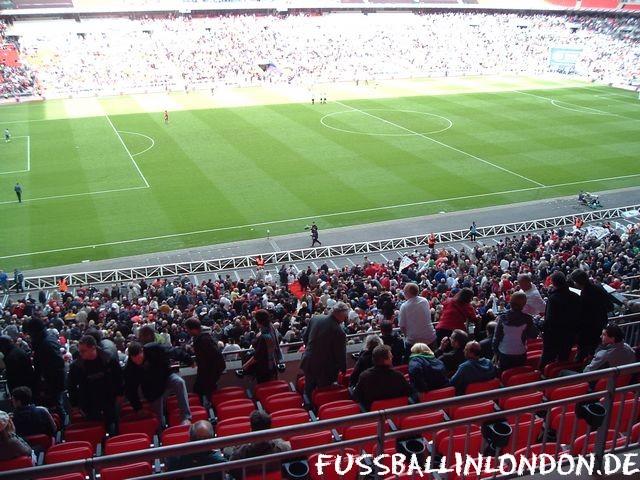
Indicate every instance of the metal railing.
{"type": "Point", "coordinates": [619, 426]}
{"type": "Point", "coordinates": [310, 254]}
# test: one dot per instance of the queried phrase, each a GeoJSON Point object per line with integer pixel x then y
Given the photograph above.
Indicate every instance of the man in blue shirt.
{"type": "Point", "coordinates": [474, 369]}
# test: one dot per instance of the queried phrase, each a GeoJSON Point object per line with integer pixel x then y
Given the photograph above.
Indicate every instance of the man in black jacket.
{"type": "Point", "coordinates": [210, 361]}
{"type": "Point", "coordinates": [149, 368]}
{"type": "Point", "coordinates": [596, 305]}
{"type": "Point", "coordinates": [95, 382]}
{"type": "Point", "coordinates": [18, 365]}
{"type": "Point", "coordinates": [48, 366]}
{"type": "Point", "coordinates": [325, 348]}
{"type": "Point", "coordinates": [561, 319]}
{"type": "Point", "coordinates": [381, 382]}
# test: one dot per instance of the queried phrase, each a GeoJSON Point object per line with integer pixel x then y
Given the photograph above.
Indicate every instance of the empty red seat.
{"type": "Point", "coordinates": [124, 472]}
{"type": "Point", "coordinates": [507, 374]}
{"type": "Point", "coordinates": [321, 396]}
{"type": "Point", "coordinates": [289, 416]}
{"type": "Point", "coordinates": [422, 420]}
{"type": "Point", "coordinates": [314, 439]}
{"type": "Point", "coordinates": [127, 442]}
{"type": "Point", "coordinates": [567, 391]}
{"type": "Point", "coordinates": [92, 432]}
{"type": "Point", "coordinates": [585, 444]}
{"type": "Point", "coordinates": [473, 410]}
{"type": "Point", "coordinates": [263, 390]}
{"type": "Point", "coordinates": [134, 424]}
{"type": "Point", "coordinates": [235, 408]}
{"type": "Point", "coordinates": [15, 463]}
{"type": "Point", "coordinates": [233, 426]}
{"type": "Point", "coordinates": [485, 386]}
{"type": "Point", "coordinates": [282, 401]}
{"type": "Point", "coordinates": [226, 393]}
{"type": "Point", "coordinates": [68, 451]}
{"type": "Point", "coordinates": [523, 400]}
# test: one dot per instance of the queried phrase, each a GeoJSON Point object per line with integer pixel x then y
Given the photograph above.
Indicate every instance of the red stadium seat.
{"type": "Point", "coordinates": [134, 424]}
{"type": "Point", "coordinates": [526, 429]}
{"type": "Point", "coordinates": [16, 463]}
{"type": "Point", "coordinates": [339, 409]}
{"type": "Point", "coordinates": [438, 394]}
{"type": "Point", "coordinates": [65, 452]}
{"type": "Point", "coordinates": [197, 413]}
{"type": "Point", "coordinates": [192, 398]}
{"type": "Point", "coordinates": [92, 432]}
{"type": "Point", "coordinates": [233, 426]}
{"type": "Point", "coordinates": [523, 378]}
{"type": "Point", "coordinates": [39, 442]}
{"type": "Point", "coordinates": [567, 391]}
{"type": "Point", "coordinates": [321, 396]}
{"type": "Point", "coordinates": [523, 400]}
{"type": "Point", "coordinates": [235, 408]}
{"type": "Point", "coordinates": [124, 472]}
{"type": "Point", "coordinates": [485, 386]}
{"type": "Point", "coordinates": [263, 390]}
{"type": "Point", "coordinates": [175, 435]}
{"type": "Point", "coordinates": [389, 403]}
{"type": "Point", "coordinates": [288, 417]}
{"type": "Point", "coordinates": [282, 401]}
{"type": "Point", "coordinates": [227, 393]}
{"type": "Point", "coordinates": [507, 374]}
{"type": "Point", "coordinates": [314, 439]}
{"type": "Point", "coordinates": [66, 476]}
{"type": "Point", "coordinates": [585, 444]}
{"type": "Point", "coordinates": [474, 410]}
{"type": "Point", "coordinates": [422, 420]}
{"type": "Point", "coordinates": [463, 444]}
{"type": "Point", "coordinates": [127, 442]}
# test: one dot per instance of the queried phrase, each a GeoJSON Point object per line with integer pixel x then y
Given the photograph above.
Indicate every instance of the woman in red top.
{"type": "Point", "coordinates": [455, 314]}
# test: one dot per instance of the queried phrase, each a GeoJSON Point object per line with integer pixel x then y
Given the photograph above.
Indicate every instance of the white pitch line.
{"type": "Point", "coordinates": [153, 142]}
{"type": "Point", "coordinates": [594, 110]}
{"type": "Point", "coordinates": [146, 184]}
{"type": "Point", "coordinates": [55, 197]}
{"type": "Point", "coordinates": [28, 153]}
{"type": "Point", "coordinates": [442, 144]}
{"type": "Point", "coordinates": [275, 222]}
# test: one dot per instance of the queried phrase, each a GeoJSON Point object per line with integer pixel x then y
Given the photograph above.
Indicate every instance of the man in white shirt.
{"type": "Point", "coordinates": [535, 303]}
{"type": "Point", "coordinates": [415, 319]}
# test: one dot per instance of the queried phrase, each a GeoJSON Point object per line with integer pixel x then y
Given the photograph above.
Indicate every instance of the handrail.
{"type": "Point", "coordinates": [369, 417]}
{"type": "Point", "coordinates": [310, 254]}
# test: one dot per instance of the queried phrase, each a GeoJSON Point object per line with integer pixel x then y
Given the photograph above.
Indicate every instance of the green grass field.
{"type": "Point", "coordinates": [105, 178]}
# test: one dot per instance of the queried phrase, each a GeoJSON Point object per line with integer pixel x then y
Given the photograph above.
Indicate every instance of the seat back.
{"type": "Point", "coordinates": [16, 463]}
{"type": "Point", "coordinates": [474, 410]}
{"type": "Point", "coordinates": [127, 442]}
{"type": "Point", "coordinates": [65, 452]}
{"type": "Point", "coordinates": [123, 472]}
{"type": "Point", "coordinates": [93, 433]}
{"type": "Point", "coordinates": [314, 439]}
{"type": "Point", "coordinates": [282, 401]}
{"type": "Point", "coordinates": [321, 396]}
{"type": "Point", "coordinates": [568, 391]}
{"type": "Point", "coordinates": [508, 373]}
{"type": "Point", "coordinates": [484, 386]}
{"type": "Point", "coordinates": [149, 426]}
{"type": "Point", "coordinates": [233, 426]}
{"type": "Point", "coordinates": [235, 408]}
{"type": "Point", "coordinates": [225, 394]}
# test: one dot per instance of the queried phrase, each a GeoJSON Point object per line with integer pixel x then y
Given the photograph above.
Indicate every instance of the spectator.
{"type": "Point", "coordinates": [426, 372]}
{"type": "Point", "coordinates": [415, 319]}
{"type": "Point", "coordinates": [325, 351]}
{"type": "Point", "coordinates": [11, 445]}
{"type": "Point", "coordinates": [512, 332]}
{"type": "Point", "coordinates": [456, 314]}
{"type": "Point", "coordinates": [259, 421]}
{"type": "Point", "coordinates": [365, 360]}
{"type": "Point", "coordinates": [200, 430]}
{"type": "Point", "coordinates": [393, 340]}
{"type": "Point", "coordinates": [48, 366]}
{"type": "Point", "coordinates": [210, 362]}
{"type": "Point", "coordinates": [29, 419]}
{"type": "Point", "coordinates": [266, 356]}
{"type": "Point", "coordinates": [613, 351]}
{"type": "Point", "coordinates": [95, 382]}
{"type": "Point", "coordinates": [486, 344]}
{"type": "Point", "coordinates": [381, 381]}
{"type": "Point", "coordinates": [596, 305]}
{"type": "Point", "coordinates": [535, 305]}
{"type": "Point", "coordinates": [18, 367]}
{"type": "Point", "coordinates": [561, 320]}
{"type": "Point", "coordinates": [149, 369]}
{"type": "Point", "coordinates": [474, 369]}
{"type": "Point", "coordinates": [451, 351]}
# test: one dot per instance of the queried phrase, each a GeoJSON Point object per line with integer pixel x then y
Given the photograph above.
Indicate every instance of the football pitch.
{"type": "Point", "coordinates": [106, 177]}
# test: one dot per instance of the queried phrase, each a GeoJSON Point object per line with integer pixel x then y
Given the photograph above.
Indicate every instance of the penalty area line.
{"type": "Point", "coordinates": [305, 218]}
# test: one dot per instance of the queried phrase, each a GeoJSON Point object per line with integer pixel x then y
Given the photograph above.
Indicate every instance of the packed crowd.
{"type": "Point", "coordinates": [14, 80]}
{"type": "Point", "coordinates": [122, 340]}
{"type": "Point", "coordinates": [115, 55]}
